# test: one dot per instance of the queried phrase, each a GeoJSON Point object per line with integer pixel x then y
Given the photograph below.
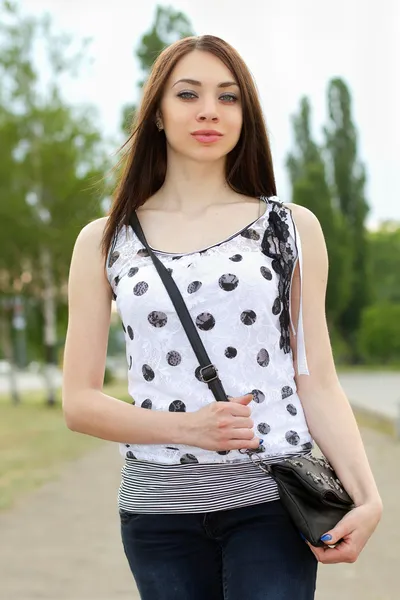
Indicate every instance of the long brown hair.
{"type": "Point", "coordinates": [249, 168]}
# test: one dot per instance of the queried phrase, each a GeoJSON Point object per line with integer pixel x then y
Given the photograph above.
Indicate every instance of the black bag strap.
{"type": "Point", "coordinates": [208, 373]}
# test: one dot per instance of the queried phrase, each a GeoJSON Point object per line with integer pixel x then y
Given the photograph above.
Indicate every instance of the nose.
{"type": "Point", "coordinates": [208, 111]}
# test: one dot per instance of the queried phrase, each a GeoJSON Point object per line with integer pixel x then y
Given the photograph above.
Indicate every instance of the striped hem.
{"type": "Point", "coordinates": [156, 488]}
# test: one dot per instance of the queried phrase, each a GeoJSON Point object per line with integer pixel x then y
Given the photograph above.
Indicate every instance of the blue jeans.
{"type": "Point", "coordinates": [251, 553]}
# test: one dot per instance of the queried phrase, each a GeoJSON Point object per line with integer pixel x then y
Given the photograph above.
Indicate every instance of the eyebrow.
{"type": "Point", "coordinates": [224, 84]}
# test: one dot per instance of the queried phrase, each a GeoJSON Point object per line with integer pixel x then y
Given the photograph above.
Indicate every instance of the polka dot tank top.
{"type": "Point", "coordinates": [238, 294]}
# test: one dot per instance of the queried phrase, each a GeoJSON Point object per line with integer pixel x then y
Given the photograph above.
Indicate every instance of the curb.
{"type": "Point", "coordinates": [383, 423]}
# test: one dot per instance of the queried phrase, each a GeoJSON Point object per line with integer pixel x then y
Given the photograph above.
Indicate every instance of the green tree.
{"type": "Point", "coordinates": [310, 189]}
{"type": "Point", "coordinates": [384, 248]}
{"type": "Point", "coordinates": [54, 160]}
{"type": "Point", "coordinates": [169, 26]}
{"type": "Point", "coordinates": [348, 178]}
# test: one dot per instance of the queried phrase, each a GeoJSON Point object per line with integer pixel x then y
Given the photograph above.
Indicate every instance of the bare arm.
{"type": "Point", "coordinates": [219, 426]}
{"type": "Point", "coordinates": [86, 408]}
{"type": "Point", "coordinates": [327, 410]}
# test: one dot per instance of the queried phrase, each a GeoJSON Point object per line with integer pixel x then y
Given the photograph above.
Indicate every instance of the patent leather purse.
{"type": "Point", "coordinates": [309, 488]}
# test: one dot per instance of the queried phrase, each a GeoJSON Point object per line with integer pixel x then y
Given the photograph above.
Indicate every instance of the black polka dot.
{"type": "Point", "coordinates": [148, 373]}
{"type": "Point", "coordinates": [177, 406]}
{"type": "Point", "coordinates": [263, 358]}
{"type": "Point", "coordinates": [266, 273]}
{"type": "Point", "coordinates": [223, 452]}
{"type": "Point", "coordinates": [114, 295]}
{"type": "Point", "coordinates": [147, 403]}
{"type": "Point", "coordinates": [143, 252]}
{"type": "Point", "coordinates": [228, 282]}
{"type": "Point", "coordinates": [236, 258]}
{"type": "Point", "coordinates": [176, 257]}
{"type": "Point", "coordinates": [171, 448]}
{"type": "Point", "coordinates": [276, 308]}
{"type": "Point", "coordinates": [205, 321]}
{"type": "Point", "coordinates": [248, 317]}
{"type": "Point", "coordinates": [130, 332]}
{"type": "Point", "coordinates": [116, 280]}
{"type": "Point", "coordinates": [230, 352]}
{"type": "Point", "coordinates": [130, 454]}
{"type": "Point", "coordinates": [128, 445]}
{"type": "Point", "coordinates": [123, 327]}
{"type": "Point", "coordinates": [188, 458]}
{"type": "Point", "coordinates": [292, 437]}
{"type": "Point", "coordinates": [286, 392]}
{"type": "Point", "coordinates": [157, 318]}
{"type": "Point", "coordinates": [264, 428]}
{"type": "Point", "coordinates": [113, 259]}
{"type": "Point", "coordinates": [307, 446]}
{"type": "Point", "coordinates": [292, 410]}
{"type": "Point", "coordinates": [258, 396]}
{"type": "Point", "coordinates": [130, 362]}
{"type": "Point", "coordinates": [194, 286]}
{"type": "Point", "coordinates": [250, 234]}
{"type": "Point", "coordinates": [173, 358]}
{"type": "Point", "coordinates": [140, 288]}
{"type": "Point", "coordinates": [169, 270]}
{"type": "Point", "coordinates": [132, 271]}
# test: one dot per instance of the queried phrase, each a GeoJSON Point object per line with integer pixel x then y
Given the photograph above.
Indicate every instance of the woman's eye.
{"type": "Point", "coordinates": [229, 97]}
{"type": "Point", "coordinates": [185, 94]}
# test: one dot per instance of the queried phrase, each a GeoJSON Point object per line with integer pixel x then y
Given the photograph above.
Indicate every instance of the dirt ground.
{"type": "Point", "coordinates": [62, 541]}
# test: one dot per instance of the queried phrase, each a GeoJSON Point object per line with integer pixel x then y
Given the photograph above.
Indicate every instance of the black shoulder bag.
{"type": "Point", "coordinates": [308, 486]}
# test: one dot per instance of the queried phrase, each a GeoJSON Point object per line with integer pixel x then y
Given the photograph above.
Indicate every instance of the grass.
{"type": "Point", "coordinates": [35, 443]}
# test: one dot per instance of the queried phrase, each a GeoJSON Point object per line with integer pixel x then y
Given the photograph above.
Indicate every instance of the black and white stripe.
{"type": "Point", "coordinates": [148, 487]}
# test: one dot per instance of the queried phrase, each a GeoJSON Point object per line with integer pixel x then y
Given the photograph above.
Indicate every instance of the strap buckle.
{"type": "Point", "coordinates": [211, 375]}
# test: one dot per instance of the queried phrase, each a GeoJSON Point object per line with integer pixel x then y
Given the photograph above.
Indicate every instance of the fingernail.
{"type": "Point", "coordinates": [261, 442]}
{"type": "Point", "coordinates": [325, 538]}
{"type": "Point", "coordinates": [302, 536]}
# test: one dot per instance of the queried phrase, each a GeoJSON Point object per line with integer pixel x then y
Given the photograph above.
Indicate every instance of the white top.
{"type": "Point", "coordinates": [238, 294]}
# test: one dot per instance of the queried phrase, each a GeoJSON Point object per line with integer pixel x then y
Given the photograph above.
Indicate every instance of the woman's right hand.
{"type": "Point", "coordinates": [223, 426]}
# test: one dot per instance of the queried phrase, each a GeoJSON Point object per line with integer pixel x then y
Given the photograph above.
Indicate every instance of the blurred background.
{"type": "Point", "coordinates": [71, 74]}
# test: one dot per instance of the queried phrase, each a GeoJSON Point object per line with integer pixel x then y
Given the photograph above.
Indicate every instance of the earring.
{"type": "Point", "coordinates": [159, 124]}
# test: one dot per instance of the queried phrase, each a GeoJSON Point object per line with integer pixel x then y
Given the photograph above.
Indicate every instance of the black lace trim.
{"type": "Point", "coordinates": [276, 246]}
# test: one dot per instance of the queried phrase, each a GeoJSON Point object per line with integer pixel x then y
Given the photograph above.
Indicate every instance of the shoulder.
{"type": "Point", "coordinates": [88, 244]}
{"type": "Point", "coordinates": [307, 224]}
{"type": "Point", "coordinates": [93, 231]}
{"type": "Point", "coordinates": [311, 237]}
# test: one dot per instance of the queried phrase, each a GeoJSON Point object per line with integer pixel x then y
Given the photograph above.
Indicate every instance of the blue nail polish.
{"type": "Point", "coordinates": [261, 442]}
{"type": "Point", "coordinates": [302, 536]}
{"type": "Point", "coordinates": [326, 538]}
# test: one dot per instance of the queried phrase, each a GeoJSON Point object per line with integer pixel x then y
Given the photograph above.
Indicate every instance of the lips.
{"type": "Point", "coordinates": [207, 135]}
{"type": "Point", "coordinates": [206, 132]}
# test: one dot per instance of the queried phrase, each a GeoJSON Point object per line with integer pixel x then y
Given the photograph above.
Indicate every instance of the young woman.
{"type": "Point", "coordinates": [199, 521]}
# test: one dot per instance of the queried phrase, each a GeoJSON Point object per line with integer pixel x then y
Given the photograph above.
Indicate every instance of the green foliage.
{"type": "Point", "coordinates": [310, 189]}
{"type": "Point", "coordinates": [52, 160]}
{"type": "Point", "coordinates": [384, 246]}
{"type": "Point", "coordinates": [379, 335]}
{"type": "Point", "coordinates": [348, 179]}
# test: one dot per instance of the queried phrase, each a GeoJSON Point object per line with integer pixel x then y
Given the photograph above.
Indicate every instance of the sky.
{"type": "Point", "coordinates": [292, 47]}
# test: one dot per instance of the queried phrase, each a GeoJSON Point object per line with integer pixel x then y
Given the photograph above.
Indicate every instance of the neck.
{"type": "Point", "coordinates": [192, 185]}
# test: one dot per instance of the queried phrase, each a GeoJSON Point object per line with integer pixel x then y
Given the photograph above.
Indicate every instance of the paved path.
{"type": "Point", "coordinates": [374, 391]}
{"type": "Point", "coordinates": [62, 542]}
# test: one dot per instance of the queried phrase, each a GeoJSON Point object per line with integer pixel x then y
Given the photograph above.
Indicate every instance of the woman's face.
{"type": "Point", "coordinates": [209, 101]}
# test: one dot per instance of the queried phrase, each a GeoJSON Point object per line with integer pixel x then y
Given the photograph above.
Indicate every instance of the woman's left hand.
{"type": "Point", "coordinates": [354, 530]}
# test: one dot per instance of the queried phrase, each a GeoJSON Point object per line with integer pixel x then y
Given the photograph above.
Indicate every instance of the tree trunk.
{"type": "Point", "coordinates": [6, 343]}
{"type": "Point", "coordinates": [50, 330]}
